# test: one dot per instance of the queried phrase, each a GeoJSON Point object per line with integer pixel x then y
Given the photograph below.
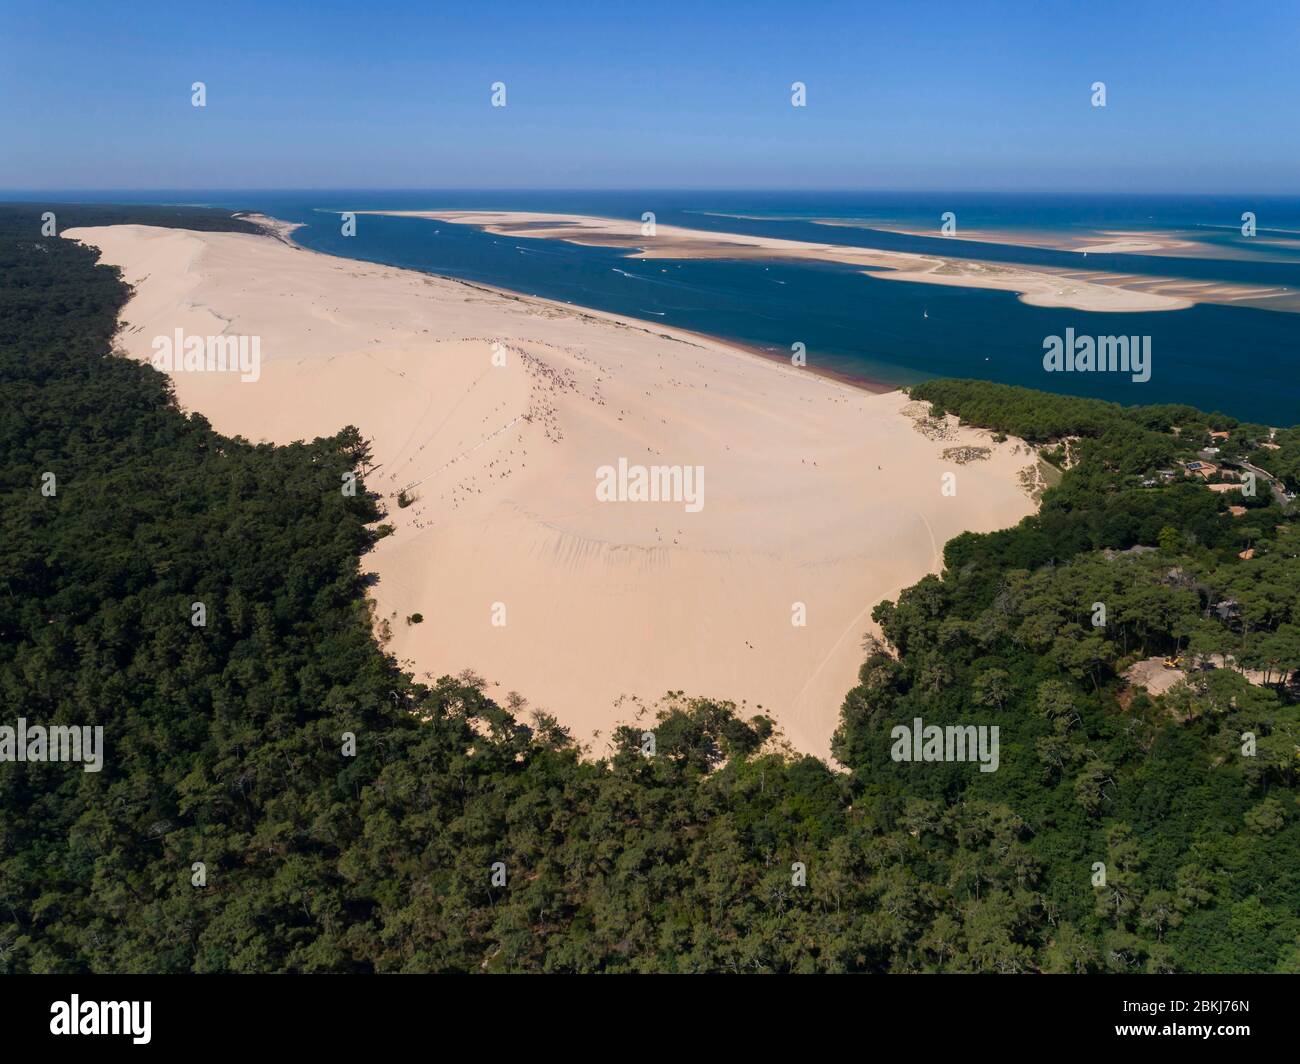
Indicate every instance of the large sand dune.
{"type": "Point", "coordinates": [815, 492]}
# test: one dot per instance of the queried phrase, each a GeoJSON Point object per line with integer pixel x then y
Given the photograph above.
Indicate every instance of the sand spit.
{"type": "Point", "coordinates": [1044, 288]}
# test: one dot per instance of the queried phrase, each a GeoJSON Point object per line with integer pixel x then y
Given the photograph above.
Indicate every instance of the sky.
{"type": "Point", "coordinates": [1200, 97]}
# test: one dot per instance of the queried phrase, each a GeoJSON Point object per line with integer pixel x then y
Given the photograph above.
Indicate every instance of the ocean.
{"type": "Point", "coordinates": [1233, 359]}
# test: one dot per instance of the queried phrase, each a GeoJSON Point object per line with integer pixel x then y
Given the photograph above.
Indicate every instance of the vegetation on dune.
{"type": "Point", "coordinates": [29, 219]}
{"type": "Point", "coordinates": [453, 835]}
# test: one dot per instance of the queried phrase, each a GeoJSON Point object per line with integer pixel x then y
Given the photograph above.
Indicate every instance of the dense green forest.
{"type": "Point", "coordinates": [226, 742]}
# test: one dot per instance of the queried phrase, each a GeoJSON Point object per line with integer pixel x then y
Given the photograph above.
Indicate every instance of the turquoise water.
{"type": "Point", "coordinates": [1237, 360]}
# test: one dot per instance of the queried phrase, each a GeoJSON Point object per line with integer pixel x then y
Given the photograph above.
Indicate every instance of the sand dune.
{"type": "Point", "coordinates": [815, 492]}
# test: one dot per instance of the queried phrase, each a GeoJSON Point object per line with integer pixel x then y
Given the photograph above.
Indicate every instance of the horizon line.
{"type": "Point", "coordinates": [934, 190]}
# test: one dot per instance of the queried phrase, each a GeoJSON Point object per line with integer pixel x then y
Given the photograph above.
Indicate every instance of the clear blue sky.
{"type": "Point", "coordinates": [972, 95]}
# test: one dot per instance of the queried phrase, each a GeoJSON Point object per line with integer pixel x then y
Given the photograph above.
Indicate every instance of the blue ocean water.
{"type": "Point", "coordinates": [1237, 360]}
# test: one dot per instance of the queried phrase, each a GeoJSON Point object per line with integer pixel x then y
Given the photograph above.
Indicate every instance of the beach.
{"type": "Point", "coordinates": [805, 501]}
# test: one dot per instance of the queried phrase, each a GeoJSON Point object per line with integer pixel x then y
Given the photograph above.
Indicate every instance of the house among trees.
{"type": "Point", "coordinates": [1227, 609]}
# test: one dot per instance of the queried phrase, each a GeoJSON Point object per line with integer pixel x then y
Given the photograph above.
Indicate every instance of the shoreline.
{"type": "Point", "coordinates": [283, 231]}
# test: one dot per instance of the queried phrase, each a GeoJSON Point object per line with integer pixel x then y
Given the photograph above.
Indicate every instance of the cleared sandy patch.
{"type": "Point", "coordinates": [1152, 674]}
{"type": "Point", "coordinates": [815, 492]}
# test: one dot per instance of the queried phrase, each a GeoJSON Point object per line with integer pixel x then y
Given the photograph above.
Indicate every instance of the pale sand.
{"type": "Point", "coordinates": [1173, 245]}
{"type": "Point", "coordinates": [1111, 242]}
{"type": "Point", "coordinates": [1129, 245]}
{"type": "Point", "coordinates": [1042, 288]}
{"type": "Point", "coordinates": [815, 491]}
